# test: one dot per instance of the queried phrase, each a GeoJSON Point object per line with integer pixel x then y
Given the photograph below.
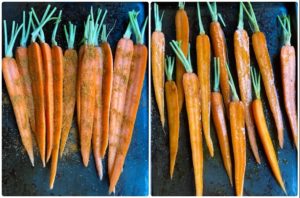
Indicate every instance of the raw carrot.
{"type": "Point", "coordinates": [220, 50]}
{"type": "Point", "coordinates": [58, 77]}
{"type": "Point", "coordinates": [288, 71]}
{"type": "Point", "coordinates": [173, 112]}
{"type": "Point", "coordinates": [69, 85]}
{"type": "Point", "coordinates": [263, 131]}
{"type": "Point", "coordinates": [192, 100]}
{"type": "Point", "coordinates": [203, 70]}
{"type": "Point", "coordinates": [182, 35]}
{"type": "Point", "coordinates": [264, 62]}
{"type": "Point", "coordinates": [238, 137]}
{"type": "Point", "coordinates": [218, 114]}
{"type": "Point", "coordinates": [15, 87]}
{"type": "Point", "coordinates": [242, 59]}
{"type": "Point", "coordinates": [158, 61]}
{"type": "Point", "coordinates": [133, 95]}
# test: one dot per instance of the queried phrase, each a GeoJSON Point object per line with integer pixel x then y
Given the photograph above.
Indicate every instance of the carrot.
{"type": "Point", "coordinates": [122, 62]}
{"type": "Point", "coordinates": [218, 114]}
{"type": "Point", "coordinates": [263, 131]}
{"type": "Point", "coordinates": [192, 96]}
{"type": "Point", "coordinates": [158, 61]}
{"type": "Point", "coordinates": [58, 77]}
{"type": "Point", "coordinates": [220, 50]}
{"type": "Point", "coordinates": [288, 71]}
{"type": "Point", "coordinates": [263, 59]}
{"type": "Point", "coordinates": [182, 34]}
{"type": "Point", "coordinates": [35, 66]}
{"type": "Point", "coordinates": [69, 85]}
{"type": "Point", "coordinates": [238, 137]}
{"type": "Point", "coordinates": [173, 112]}
{"type": "Point", "coordinates": [16, 89]}
{"type": "Point", "coordinates": [242, 59]}
{"type": "Point", "coordinates": [203, 68]}
{"type": "Point", "coordinates": [107, 88]}
{"type": "Point", "coordinates": [133, 95]}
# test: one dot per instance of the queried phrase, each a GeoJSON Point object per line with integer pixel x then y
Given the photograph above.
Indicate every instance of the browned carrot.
{"type": "Point", "coordinates": [220, 50]}
{"type": "Point", "coordinates": [242, 59]}
{"type": "Point", "coordinates": [133, 95]}
{"type": "Point", "coordinates": [203, 68]}
{"type": "Point", "coordinates": [182, 35]}
{"type": "Point", "coordinates": [288, 71]}
{"type": "Point", "coordinates": [264, 62]}
{"type": "Point", "coordinates": [158, 61]}
{"type": "Point", "coordinates": [69, 85]}
{"type": "Point", "coordinates": [218, 114]}
{"type": "Point", "coordinates": [15, 87]}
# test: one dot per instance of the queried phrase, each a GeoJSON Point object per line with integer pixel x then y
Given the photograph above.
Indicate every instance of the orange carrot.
{"type": "Point", "coordinates": [242, 59]}
{"type": "Point", "coordinates": [203, 66]}
{"type": "Point", "coordinates": [15, 87]}
{"type": "Point", "coordinates": [182, 35]}
{"type": "Point", "coordinates": [158, 61]}
{"type": "Point", "coordinates": [263, 59]}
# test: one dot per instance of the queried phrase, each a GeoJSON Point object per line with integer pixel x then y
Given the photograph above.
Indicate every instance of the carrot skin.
{"type": "Point", "coordinates": [69, 94]}
{"type": "Point", "coordinates": [242, 59]}
{"type": "Point", "coordinates": [58, 77]}
{"type": "Point", "coordinates": [158, 76]}
{"type": "Point", "coordinates": [182, 34]}
{"type": "Point", "coordinates": [203, 68]}
{"type": "Point", "coordinates": [15, 87]}
{"type": "Point", "coordinates": [133, 95]}
{"type": "Point", "coordinates": [288, 72]}
{"type": "Point", "coordinates": [218, 114]}
{"type": "Point", "coordinates": [106, 94]}
{"type": "Point", "coordinates": [263, 59]}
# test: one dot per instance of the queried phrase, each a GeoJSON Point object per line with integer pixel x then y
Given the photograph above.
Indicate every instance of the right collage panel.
{"type": "Point", "coordinates": [223, 99]}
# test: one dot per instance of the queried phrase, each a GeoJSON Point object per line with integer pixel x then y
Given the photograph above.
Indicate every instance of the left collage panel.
{"type": "Point", "coordinates": [75, 99]}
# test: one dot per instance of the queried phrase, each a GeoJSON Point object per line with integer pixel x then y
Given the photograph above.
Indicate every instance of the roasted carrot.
{"type": "Point", "coordinates": [238, 136]}
{"type": "Point", "coordinates": [133, 94]}
{"type": "Point", "coordinates": [242, 59]}
{"type": "Point", "coordinates": [203, 70]}
{"type": "Point", "coordinates": [158, 61]}
{"type": "Point", "coordinates": [58, 77]}
{"type": "Point", "coordinates": [264, 62]}
{"type": "Point", "coordinates": [220, 50]}
{"type": "Point", "coordinates": [288, 71]}
{"type": "Point", "coordinates": [69, 85]}
{"type": "Point", "coordinates": [173, 112]}
{"type": "Point", "coordinates": [15, 87]}
{"type": "Point", "coordinates": [122, 62]}
{"type": "Point", "coordinates": [218, 114]}
{"type": "Point", "coordinates": [192, 101]}
{"type": "Point", "coordinates": [182, 34]}
{"type": "Point", "coordinates": [263, 131]}
{"type": "Point", "coordinates": [107, 88]}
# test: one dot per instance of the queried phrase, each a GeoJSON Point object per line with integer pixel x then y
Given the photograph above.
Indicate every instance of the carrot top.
{"type": "Point", "coordinates": [255, 77]}
{"type": "Point", "coordinates": [181, 5]}
{"type": "Point", "coordinates": [251, 15]}
{"type": "Point", "coordinates": [25, 33]}
{"type": "Point", "coordinates": [92, 28]}
{"type": "Point", "coordinates": [104, 34]}
{"type": "Point", "coordinates": [8, 46]}
{"type": "Point", "coordinates": [286, 27]}
{"type": "Point", "coordinates": [169, 67]}
{"type": "Point", "coordinates": [201, 28]}
{"type": "Point", "coordinates": [70, 37]}
{"type": "Point", "coordinates": [175, 45]}
{"type": "Point", "coordinates": [235, 96]}
{"type": "Point", "coordinates": [58, 20]}
{"type": "Point", "coordinates": [139, 33]}
{"type": "Point", "coordinates": [157, 19]}
{"type": "Point", "coordinates": [217, 74]}
{"type": "Point", "coordinates": [241, 18]}
{"type": "Point", "coordinates": [214, 13]}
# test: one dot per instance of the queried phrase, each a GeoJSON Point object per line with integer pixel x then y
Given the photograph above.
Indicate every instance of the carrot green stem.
{"type": "Point", "coordinates": [217, 74]}
{"type": "Point", "coordinates": [201, 28]}
{"type": "Point", "coordinates": [58, 20]}
{"type": "Point", "coordinates": [105, 35]}
{"type": "Point", "coordinates": [157, 19]}
{"type": "Point", "coordinates": [8, 46]}
{"type": "Point", "coordinates": [128, 32]}
{"type": "Point", "coordinates": [99, 27]}
{"type": "Point", "coordinates": [170, 62]}
{"type": "Point", "coordinates": [176, 48]}
{"type": "Point", "coordinates": [139, 34]}
{"type": "Point", "coordinates": [251, 16]}
{"type": "Point", "coordinates": [235, 96]}
{"type": "Point", "coordinates": [25, 33]}
{"type": "Point", "coordinates": [255, 77]}
{"type": "Point", "coordinates": [41, 33]}
{"type": "Point", "coordinates": [213, 11]}
{"type": "Point", "coordinates": [181, 5]}
{"type": "Point", "coordinates": [86, 30]}
{"type": "Point", "coordinates": [286, 27]}
{"type": "Point", "coordinates": [241, 18]}
{"type": "Point", "coordinates": [70, 37]}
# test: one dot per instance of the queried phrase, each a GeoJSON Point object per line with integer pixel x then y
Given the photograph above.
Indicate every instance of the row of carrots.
{"type": "Point", "coordinates": [200, 101]}
{"type": "Point", "coordinates": [45, 85]}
